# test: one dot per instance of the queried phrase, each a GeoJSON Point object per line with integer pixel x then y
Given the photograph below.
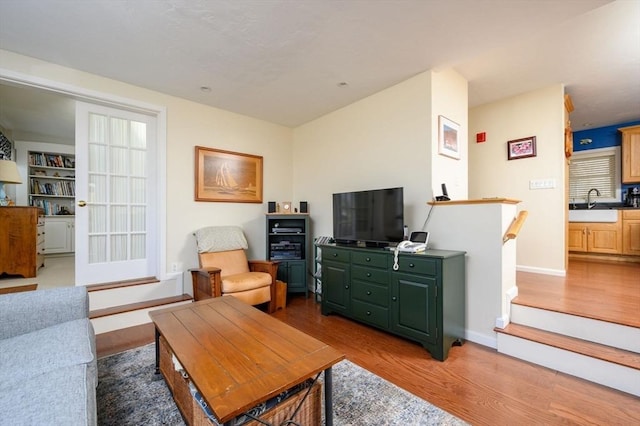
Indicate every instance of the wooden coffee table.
{"type": "Point", "coordinates": [237, 356]}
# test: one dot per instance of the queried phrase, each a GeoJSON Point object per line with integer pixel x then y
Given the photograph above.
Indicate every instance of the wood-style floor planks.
{"type": "Point", "coordinates": [605, 291]}
{"type": "Point", "coordinates": [476, 383]}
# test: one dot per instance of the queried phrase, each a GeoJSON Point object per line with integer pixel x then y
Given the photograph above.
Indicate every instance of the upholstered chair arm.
{"type": "Point", "coordinates": [268, 266]}
{"type": "Point", "coordinates": [271, 268]}
{"type": "Point", "coordinates": [207, 283]}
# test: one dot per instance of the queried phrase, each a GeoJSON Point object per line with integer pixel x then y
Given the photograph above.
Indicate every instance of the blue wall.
{"type": "Point", "coordinates": [602, 137]}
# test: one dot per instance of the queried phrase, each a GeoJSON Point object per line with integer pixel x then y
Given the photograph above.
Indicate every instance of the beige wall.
{"type": "Point", "coordinates": [540, 113]}
{"type": "Point", "coordinates": [188, 124]}
{"type": "Point", "coordinates": [388, 139]}
{"type": "Point", "coordinates": [382, 141]}
{"type": "Point", "coordinates": [450, 99]}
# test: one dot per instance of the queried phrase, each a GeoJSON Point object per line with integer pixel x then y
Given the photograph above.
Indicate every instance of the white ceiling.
{"type": "Point", "coordinates": [283, 60]}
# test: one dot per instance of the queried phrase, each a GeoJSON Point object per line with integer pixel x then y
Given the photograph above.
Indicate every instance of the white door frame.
{"type": "Point", "coordinates": [101, 98]}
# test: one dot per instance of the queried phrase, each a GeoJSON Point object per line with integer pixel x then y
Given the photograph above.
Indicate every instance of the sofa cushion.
{"type": "Point", "coordinates": [32, 354]}
{"type": "Point", "coordinates": [245, 281]}
{"type": "Point", "coordinates": [63, 396]}
{"type": "Point", "coordinates": [34, 310]}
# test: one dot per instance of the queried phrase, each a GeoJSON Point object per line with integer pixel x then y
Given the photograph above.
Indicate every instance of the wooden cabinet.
{"type": "Point", "coordinates": [423, 299]}
{"type": "Point", "coordinates": [595, 237]}
{"type": "Point", "coordinates": [60, 233]}
{"type": "Point", "coordinates": [22, 239]}
{"type": "Point", "coordinates": [630, 154]}
{"type": "Point", "coordinates": [288, 241]}
{"type": "Point", "coordinates": [631, 232]}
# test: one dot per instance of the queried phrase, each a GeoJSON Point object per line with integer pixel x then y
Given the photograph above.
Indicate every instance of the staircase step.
{"type": "Point", "coordinates": [120, 284]}
{"type": "Point", "coordinates": [616, 368]}
{"type": "Point", "coordinates": [581, 327]}
{"type": "Point", "coordinates": [115, 310]}
{"type": "Point", "coordinates": [572, 344]}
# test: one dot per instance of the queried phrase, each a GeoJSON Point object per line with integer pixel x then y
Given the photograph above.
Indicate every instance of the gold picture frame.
{"type": "Point", "coordinates": [226, 176]}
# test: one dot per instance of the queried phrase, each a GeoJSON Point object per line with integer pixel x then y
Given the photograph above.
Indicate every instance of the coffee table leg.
{"type": "Point", "coordinates": [328, 397]}
{"type": "Point", "coordinates": [157, 351]}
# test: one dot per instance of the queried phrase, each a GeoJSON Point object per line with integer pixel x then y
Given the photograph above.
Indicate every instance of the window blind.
{"type": "Point", "coordinates": [597, 171]}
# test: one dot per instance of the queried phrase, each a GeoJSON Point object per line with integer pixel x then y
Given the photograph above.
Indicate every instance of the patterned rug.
{"type": "Point", "coordinates": [130, 393]}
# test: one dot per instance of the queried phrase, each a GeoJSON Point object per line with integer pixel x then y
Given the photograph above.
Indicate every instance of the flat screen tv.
{"type": "Point", "coordinates": [374, 217]}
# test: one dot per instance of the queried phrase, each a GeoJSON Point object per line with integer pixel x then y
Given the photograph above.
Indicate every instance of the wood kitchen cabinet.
{"type": "Point", "coordinates": [595, 237]}
{"type": "Point", "coordinates": [631, 232]}
{"type": "Point", "coordinates": [630, 154]}
{"type": "Point", "coordinates": [21, 240]}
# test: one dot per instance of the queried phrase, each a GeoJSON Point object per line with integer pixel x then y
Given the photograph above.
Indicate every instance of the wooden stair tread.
{"type": "Point", "coordinates": [120, 284]}
{"type": "Point", "coordinates": [98, 313]}
{"type": "Point", "coordinates": [572, 344]}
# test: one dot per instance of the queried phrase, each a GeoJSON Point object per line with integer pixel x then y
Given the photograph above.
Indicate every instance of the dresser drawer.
{"type": "Point", "coordinates": [372, 314]}
{"type": "Point", "coordinates": [370, 293]}
{"type": "Point", "coordinates": [380, 276]}
{"type": "Point", "coordinates": [377, 260]}
{"type": "Point", "coordinates": [417, 265]}
{"type": "Point", "coordinates": [338, 255]}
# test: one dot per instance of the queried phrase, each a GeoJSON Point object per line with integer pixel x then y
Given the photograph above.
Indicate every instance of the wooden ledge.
{"type": "Point", "coordinates": [493, 200]}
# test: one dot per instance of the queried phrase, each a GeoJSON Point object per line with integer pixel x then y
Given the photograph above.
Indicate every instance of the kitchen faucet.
{"type": "Point", "coordinates": [589, 205]}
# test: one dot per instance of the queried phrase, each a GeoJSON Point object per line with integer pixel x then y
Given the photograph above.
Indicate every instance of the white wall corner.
{"type": "Point", "coordinates": [502, 322]}
{"type": "Point", "coordinates": [512, 293]}
{"type": "Point", "coordinates": [179, 281]}
{"type": "Point", "coordinates": [481, 338]}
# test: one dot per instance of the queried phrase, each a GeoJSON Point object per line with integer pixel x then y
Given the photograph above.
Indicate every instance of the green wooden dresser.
{"type": "Point", "coordinates": [423, 299]}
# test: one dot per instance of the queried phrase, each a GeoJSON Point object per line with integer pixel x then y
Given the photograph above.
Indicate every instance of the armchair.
{"type": "Point", "coordinates": [225, 271]}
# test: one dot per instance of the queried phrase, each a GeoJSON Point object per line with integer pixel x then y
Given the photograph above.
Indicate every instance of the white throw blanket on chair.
{"type": "Point", "coordinates": [220, 238]}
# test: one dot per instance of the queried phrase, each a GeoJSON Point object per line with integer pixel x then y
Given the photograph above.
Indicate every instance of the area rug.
{"type": "Point", "coordinates": [130, 393]}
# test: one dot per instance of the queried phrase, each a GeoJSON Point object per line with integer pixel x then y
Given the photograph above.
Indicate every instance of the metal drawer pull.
{"type": "Point", "coordinates": [335, 254]}
{"type": "Point", "coordinates": [368, 312]}
{"type": "Point", "coordinates": [411, 265]}
{"type": "Point", "coordinates": [368, 259]}
{"type": "Point", "coordinates": [369, 293]}
{"type": "Point", "coordinates": [394, 298]}
{"type": "Point", "coordinates": [368, 274]}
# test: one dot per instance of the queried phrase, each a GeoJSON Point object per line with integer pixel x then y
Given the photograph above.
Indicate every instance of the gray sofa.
{"type": "Point", "coordinates": [48, 366]}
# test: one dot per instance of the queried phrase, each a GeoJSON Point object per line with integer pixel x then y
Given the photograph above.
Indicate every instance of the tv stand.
{"type": "Point", "coordinates": [423, 300]}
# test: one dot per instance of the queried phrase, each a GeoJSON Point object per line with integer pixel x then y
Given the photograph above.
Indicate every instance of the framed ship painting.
{"type": "Point", "coordinates": [227, 176]}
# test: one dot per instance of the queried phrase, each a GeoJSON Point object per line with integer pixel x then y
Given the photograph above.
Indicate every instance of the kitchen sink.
{"type": "Point", "coordinates": [594, 215]}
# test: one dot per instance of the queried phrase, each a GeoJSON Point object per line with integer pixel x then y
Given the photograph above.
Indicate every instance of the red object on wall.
{"type": "Point", "coordinates": [481, 137]}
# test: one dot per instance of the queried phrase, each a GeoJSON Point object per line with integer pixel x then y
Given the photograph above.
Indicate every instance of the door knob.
{"type": "Point", "coordinates": [82, 203]}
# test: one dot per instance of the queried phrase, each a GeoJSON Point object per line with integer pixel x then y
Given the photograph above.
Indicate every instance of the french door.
{"type": "Point", "coordinates": [116, 225]}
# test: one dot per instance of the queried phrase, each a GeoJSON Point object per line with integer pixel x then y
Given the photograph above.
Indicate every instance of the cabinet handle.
{"type": "Point", "coordinates": [394, 298]}
{"type": "Point", "coordinates": [584, 231]}
{"type": "Point", "coordinates": [368, 312]}
{"type": "Point", "coordinates": [335, 254]}
{"type": "Point", "coordinates": [411, 265]}
{"type": "Point", "coordinates": [346, 287]}
{"type": "Point", "coordinates": [368, 259]}
{"type": "Point", "coordinates": [368, 293]}
{"type": "Point", "coordinates": [368, 274]}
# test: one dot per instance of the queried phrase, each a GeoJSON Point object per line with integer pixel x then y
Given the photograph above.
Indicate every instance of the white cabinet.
{"type": "Point", "coordinates": [59, 235]}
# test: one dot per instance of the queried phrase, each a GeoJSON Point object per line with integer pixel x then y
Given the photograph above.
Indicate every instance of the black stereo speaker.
{"type": "Point", "coordinates": [272, 207]}
{"type": "Point", "coordinates": [304, 207]}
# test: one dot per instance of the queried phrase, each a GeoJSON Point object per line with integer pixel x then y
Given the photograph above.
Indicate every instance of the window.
{"type": "Point", "coordinates": [595, 168]}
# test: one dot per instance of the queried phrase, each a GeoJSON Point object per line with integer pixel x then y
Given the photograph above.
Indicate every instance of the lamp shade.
{"type": "Point", "coordinates": [9, 172]}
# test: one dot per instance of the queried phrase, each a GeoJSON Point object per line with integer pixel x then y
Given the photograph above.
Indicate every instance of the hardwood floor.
{"type": "Point", "coordinates": [476, 383]}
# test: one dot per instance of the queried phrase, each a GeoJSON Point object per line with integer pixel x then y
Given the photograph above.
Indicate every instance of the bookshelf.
{"type": "Point", "coordinates": [52, 185]}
